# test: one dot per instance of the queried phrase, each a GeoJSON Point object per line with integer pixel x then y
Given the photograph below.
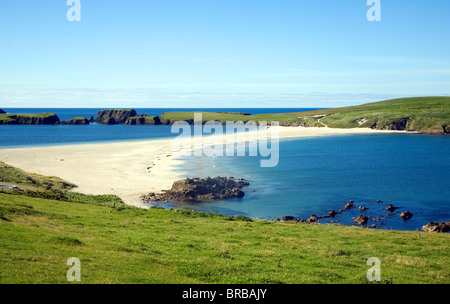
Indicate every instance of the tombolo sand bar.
{"type": "Point", "coordinates": [126, 169]}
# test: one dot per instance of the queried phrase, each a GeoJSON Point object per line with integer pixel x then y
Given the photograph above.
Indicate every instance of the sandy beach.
{"type": "Point", "coordinates": [127, 169]}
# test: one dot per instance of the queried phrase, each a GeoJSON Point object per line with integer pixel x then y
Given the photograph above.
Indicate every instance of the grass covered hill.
{"type": "Point", "coordinates": [45, 225]}
{"type": "Point", "coordinates": [421, 114]}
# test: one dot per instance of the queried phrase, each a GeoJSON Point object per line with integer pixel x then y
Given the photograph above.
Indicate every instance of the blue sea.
{"type": "Point", "coordinates": [314, 175]}
{"type": "Point", "coordinates": [19, 136]}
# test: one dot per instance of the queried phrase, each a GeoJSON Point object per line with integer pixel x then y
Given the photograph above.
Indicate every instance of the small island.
{"type": "Point", "coordinates": [76, 121]}
{"type": "Point", "coordinates": [29, 119]}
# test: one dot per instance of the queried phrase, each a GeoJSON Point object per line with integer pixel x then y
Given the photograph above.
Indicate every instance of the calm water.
{"type": "Point", "coordinates": [16, 136]}
{"type": "Point", "coordinates": [314, 175]}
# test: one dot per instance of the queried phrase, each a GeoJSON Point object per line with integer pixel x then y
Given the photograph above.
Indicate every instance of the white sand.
{"type": "Point", "coordinates": [123, 168]}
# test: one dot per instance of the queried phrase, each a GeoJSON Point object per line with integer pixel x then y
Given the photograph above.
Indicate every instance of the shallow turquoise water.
{"type": "Point", "coordinates": [316, 175]}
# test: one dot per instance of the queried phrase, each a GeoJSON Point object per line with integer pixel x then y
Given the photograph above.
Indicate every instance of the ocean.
{"type": "Point", "coordinates": [314, 175]}
{"type": "Point", "coordinates": [19, 136]}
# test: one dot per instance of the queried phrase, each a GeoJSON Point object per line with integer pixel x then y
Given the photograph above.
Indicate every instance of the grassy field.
{"type": "Point", "coordinates": [129, 245]}
{"type": "Point", "coordinates": [422, 114]}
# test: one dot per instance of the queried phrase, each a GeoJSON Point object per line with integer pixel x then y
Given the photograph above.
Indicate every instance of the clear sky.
{"type": "Point", "coordinates": [221, 53]}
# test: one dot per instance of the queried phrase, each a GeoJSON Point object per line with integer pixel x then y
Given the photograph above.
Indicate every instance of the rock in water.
{"type": "Point", "coordinates": [391, 208]}
{"type": "Point", "coordinates": [406, 215]}
{"type": "Point", "coordinates": [313, 218]}
{"type": "Point", "coordinates": [349, 205]}
{"type": "Point", "coordinates": [437, 227]}
{"type": "Point", "coordinates": [200, 189]}
{"type": "Point", "coordinates": [287, 218]}
{"type": "Point", "coordinates": [362, 219]}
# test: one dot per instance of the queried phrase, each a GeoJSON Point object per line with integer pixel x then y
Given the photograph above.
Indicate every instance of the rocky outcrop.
{"type": "Point", "coordinates": [349, 206]}
{"type": "Point", "coordinates": [406, 215]}
{"type": "Point", "coordinates": [287, 218]}
{"type": "Point", "coordinates": [398, 124]}
{"type": "Point", "coordinates": [143, 120]}
{"type": "Point", "coordinates": [362, 219]}
{"type": "Point", "coordinates": [437, 227]}
{"type": "Point", "coordinates": [2, 112]}
{"type": "Point", "coordinates": [391, 208]}
{"type": "Point", "coordinates": [76, 121]}
{"type": "Point", "coordinates": [312, 219]}
{"type": "Point", "coordinates": [29, 119]}
{"type": "Point", "coordinates": [193, 189]}
{"type": "Point", "coordinates": [115, 116]}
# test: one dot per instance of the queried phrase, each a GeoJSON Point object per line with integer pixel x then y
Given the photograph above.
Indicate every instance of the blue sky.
{"type": "Point", "coordinates": [221, 53]}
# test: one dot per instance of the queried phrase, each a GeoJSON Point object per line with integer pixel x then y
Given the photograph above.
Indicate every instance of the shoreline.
{"type": "Point", "coordinates": [130, 169]}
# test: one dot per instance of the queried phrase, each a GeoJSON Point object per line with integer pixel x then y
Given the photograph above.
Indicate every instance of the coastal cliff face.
{"type": "Point", "coordinates": [143, 120]}
{"type": "Point", "coordinates": [2, 112]}
{"type": "Point", "coordinates": [29, 119]}
{"type": "Point", "coordinates": [116, 116]}
{"type": "Point", "coordinates": [76, 121]}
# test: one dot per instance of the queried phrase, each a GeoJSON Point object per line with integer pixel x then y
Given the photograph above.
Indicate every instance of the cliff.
{"type": "Point", "coordinates": [29, 119]}
{"type": "Point", "coordinates": [143, 120]}
{"type": "Point", "coordinates": [115, 116]}
{"type": "Point", "coordinates": [76, 121]}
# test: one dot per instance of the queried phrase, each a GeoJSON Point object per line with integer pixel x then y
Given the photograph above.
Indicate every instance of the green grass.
{"type": "Point", "coordinates": [9, 174]}
{"type": "Point", "coordinates": [422, 114]}
{"type": "Point", "coordinates": [129, 245]}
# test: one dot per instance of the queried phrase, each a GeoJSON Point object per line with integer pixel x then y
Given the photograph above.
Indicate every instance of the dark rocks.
{"type": "Point", "coordinates": [397, 124]}
{"type": "Point", "coordinates": [115, 116]}
{"type": "Point", "coordinates": [391, 208]}
{"type": "Point", "coordinates": [362, 219]}
{"type": "Point", "coordinates": [406, 215]}
{"type": "Point", "coordinates": [200, 189]}
{"type": "Point", "coordinates": [332, 213]}
{"type": "Point", "coordinates": [2, 112]}
{"type": "Point", "coordinates": [349, 205]}
{"type": "Point", "coordinates": [287, 218]}
{"type": "Point", "coordinates": [313, 218]}
{"type": "Point", "coordinates": [91, 119]}
{"type": "Point", "coordinates": [362, 208]}
{"type": "Point", "coordinates": [143, 120]}
{"type": "Point", "coordinates": [75, 121]}
{"type": "Point", "coordinates": [437, 227]}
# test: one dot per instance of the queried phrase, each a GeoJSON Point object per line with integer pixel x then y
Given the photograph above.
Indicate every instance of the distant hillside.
{"type": "Point", "coordinates": [422, 114]}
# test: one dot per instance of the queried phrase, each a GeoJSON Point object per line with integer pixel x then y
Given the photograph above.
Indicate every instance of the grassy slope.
{"type": "Point", "coordinates": [37, 115]}
{"type": "Point", "coordinates": [424, 114]}
{"type": "Point", "coordinates": [9, 174]}
{"type": "Point", "coordinates": [129, 245]}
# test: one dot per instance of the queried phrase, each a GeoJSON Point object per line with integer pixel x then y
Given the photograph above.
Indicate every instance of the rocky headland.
{"type": "Point", "coordinates": [114, 116]}
{"type": "Point", "coordinates": [196, 189]}
{"type": "Point", "coordinates": [29, 119]}
{"type": "Point", "coordinates": [75, 121]}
